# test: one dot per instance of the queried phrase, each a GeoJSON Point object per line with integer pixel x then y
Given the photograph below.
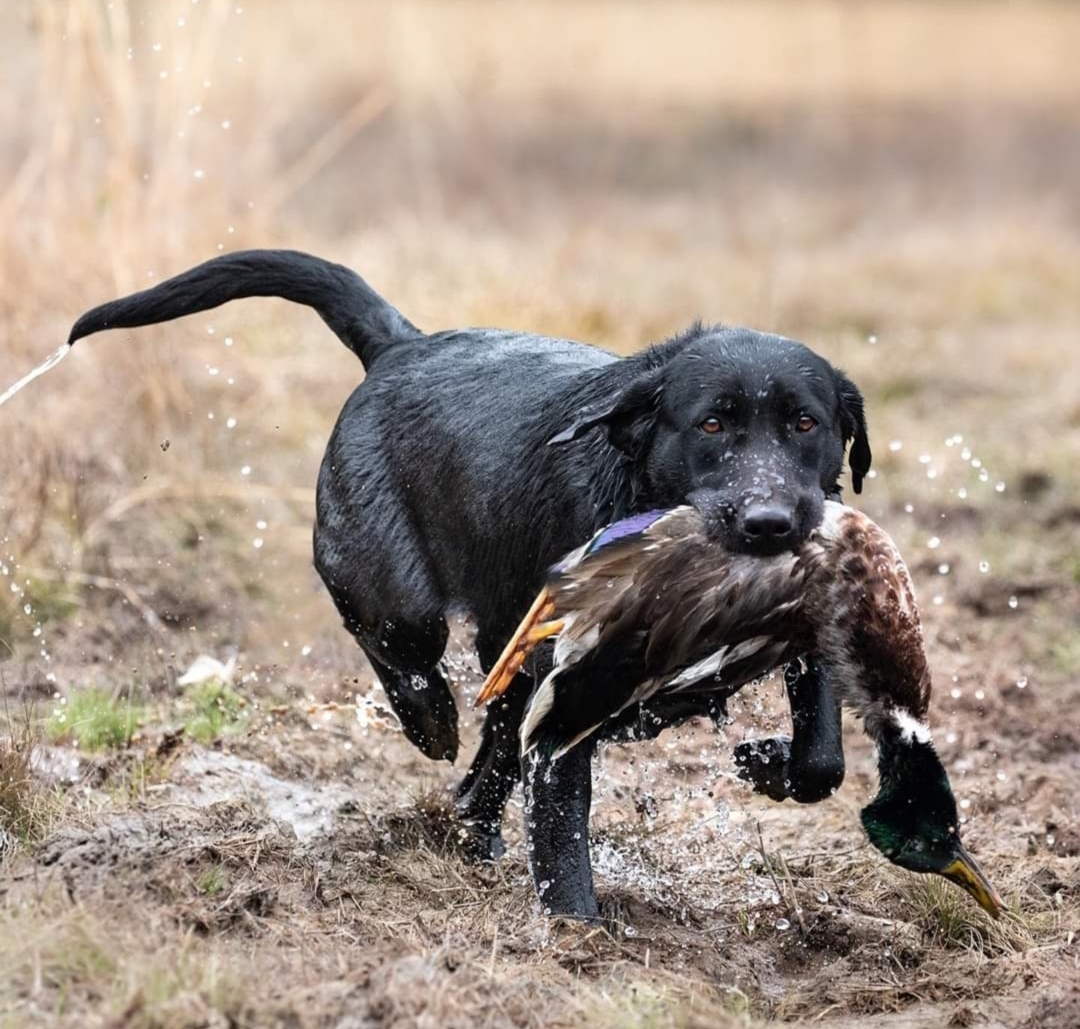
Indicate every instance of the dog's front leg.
{"type": "Point", "coordinates": [808, 766]}
{"type": "Point", "coordinates": [481, 797]}
{"type": "Point", "coordinates": [558, 795]}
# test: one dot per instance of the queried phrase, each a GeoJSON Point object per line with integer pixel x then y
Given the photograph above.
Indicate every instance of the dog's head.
{"type": "Point", "coordinates": [750, 428]}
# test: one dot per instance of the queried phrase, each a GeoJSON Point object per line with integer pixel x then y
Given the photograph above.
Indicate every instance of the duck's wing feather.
{"type": "Point", "coordinates": [693, 598]}
{"type": "Point", "coordinates": [682, 615]}
{"type": "Point", "coordinates": [607, 555]}
{"type": "Point", "coordinates": [627, 530]}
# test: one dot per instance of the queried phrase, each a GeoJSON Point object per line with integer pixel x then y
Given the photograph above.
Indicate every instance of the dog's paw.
{"type": "Point", "coordinates": [477, 844]}
{"type": "Point", "coordinates": [764, 764]}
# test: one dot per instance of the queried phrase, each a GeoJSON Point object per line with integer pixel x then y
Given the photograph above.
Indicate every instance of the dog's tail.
{"type": "Point", "coordinates": [360, 318]}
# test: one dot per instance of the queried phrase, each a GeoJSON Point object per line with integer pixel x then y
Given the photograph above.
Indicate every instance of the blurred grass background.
{"type": "Point", "coordinates": [893, 182]}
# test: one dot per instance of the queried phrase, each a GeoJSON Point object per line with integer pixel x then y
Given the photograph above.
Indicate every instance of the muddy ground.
{"type": "Point", "coordinates": [874, 179]}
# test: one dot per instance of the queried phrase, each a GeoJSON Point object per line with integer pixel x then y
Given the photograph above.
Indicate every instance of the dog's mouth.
{"type": "Point", "coordinates": [751, 526]}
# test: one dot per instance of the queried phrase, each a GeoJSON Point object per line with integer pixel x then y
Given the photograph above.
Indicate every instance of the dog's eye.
{"type": "Point", "coordinates": [806, 423]}
{"type": "Point", "coordinates": [711, 426]}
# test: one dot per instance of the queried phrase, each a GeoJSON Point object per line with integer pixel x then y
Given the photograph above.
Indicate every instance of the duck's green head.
{"type": "Point", "coordinates": [913, 819]}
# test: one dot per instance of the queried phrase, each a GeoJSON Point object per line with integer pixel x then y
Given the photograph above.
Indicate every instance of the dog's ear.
{"type": "Point", "coordinates": [853, 429]}
{"type": "Point", "coordinates": [628, 418]}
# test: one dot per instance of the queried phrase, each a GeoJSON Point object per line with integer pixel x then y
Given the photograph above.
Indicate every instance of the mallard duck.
{"type": "Point", "coordinates": [654, 604]}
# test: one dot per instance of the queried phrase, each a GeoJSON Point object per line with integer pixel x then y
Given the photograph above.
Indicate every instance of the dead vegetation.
{"type": "Point", "coordinates": [247, 852]}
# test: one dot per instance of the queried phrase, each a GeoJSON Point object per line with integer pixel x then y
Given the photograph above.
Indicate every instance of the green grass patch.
{"type": "Point", "coordinates": [216, 708]}
{"type": "Point", "coordinates": [96, 719]}
{"type": "Point", "coordinates": [213, 881]}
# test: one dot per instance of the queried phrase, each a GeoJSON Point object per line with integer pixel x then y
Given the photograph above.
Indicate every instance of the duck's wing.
{"type": "Point", "coordinates": [629, 531]}
{"type": "Point", "coordinates": [698, 602]}
{"type": "Point", "coordinates": [690, 618]}
{"type": "Point", "coordinates": [607, 556]}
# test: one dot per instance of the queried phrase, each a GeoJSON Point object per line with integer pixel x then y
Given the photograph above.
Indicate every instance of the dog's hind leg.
{"type": "Point", "coordinates": [405, 651]}
{"type": "Point", "coordinates": [425, 707]}
{"type": "Point", "coordinates": [380, 579]}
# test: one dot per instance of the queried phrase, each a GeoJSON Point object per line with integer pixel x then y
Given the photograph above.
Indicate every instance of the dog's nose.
{"type": "Point", "coordinates": [767, 523]}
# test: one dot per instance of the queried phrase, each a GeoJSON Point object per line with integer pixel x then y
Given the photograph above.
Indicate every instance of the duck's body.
{"type": "Point", "coordinates": [654, 605]}
{"type": "Point", "coordinates": [668, 609]}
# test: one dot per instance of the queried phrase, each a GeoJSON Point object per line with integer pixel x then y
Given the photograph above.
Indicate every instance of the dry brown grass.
{"type": "Point", "coordinates": [904, 171]}
{"type": "Point", "coordinates": [27, 806]}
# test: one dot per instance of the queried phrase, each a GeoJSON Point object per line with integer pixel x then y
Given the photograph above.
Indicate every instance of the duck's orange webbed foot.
{"type": "Point", "coordinates": [535, 627]}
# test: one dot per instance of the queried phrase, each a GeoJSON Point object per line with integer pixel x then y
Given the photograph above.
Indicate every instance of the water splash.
{"type": "Point", "coordinates": [50, 362]}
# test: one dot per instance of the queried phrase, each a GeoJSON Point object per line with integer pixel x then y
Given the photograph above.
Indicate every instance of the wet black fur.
{"type": "Point", "coordinates": [468, 461]}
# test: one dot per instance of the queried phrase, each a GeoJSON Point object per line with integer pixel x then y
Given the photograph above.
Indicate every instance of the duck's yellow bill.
{"type": "Point", "coordinates": [534, 628]}
{"type": "Point", "coordinates": [969, 876]}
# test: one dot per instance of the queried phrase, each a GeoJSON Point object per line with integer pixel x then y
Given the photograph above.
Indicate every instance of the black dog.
{"type": "Point", "coordinates": [469, 461]}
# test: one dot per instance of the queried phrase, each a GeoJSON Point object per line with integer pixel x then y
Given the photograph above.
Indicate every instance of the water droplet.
{"type": "Point", "coordinates": [1021, 683]}
{"type": "Point", "coordinates": [925, 459]}
{"type": "Point", "coordinates": [246, 470]}
{"type": "Point", "coordinates": [980, 694]}
{"type": "Point", "coordinates": [871, 339]}
{"type": "Point", "coordinates": [260, 524]}
{"type": "Point", "coordinates": [822, 897]}
{"type": "Point", "coordinates": [962, 493]}
{"type": "Point", "coordinates": [231, 423]}
{"type": "Point", "coordinates": [782, 925]}
{"type": "Point", "coordinates": [999, 487]}
{"type": "Point", "coordinates": [896, 445]}
{"type": "Point", "coordinates": [257, 543]}
{"type": "Point", "coordinates": [198, 173]}
{"type": "Point", "coordinates": [629, 930]}
{"type": "Point", "coordinates": [984, 566]}
{"type": "Point", "coordinates": [1014, 603]}
{"type": "Point", "coordinates": [909, 508]}
{"type": "Point", "coordinates": [933, 542]}
{"type": "Point", "coordinates": [955, 693]}
{"type": "Point", "coordinates": [943, 568]}
{"type": "Point", "coordinates": [938, 600]}
{"type": "Point", "coordinates": [965, 803]}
